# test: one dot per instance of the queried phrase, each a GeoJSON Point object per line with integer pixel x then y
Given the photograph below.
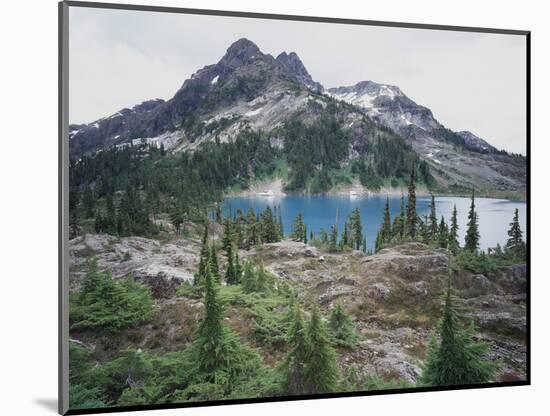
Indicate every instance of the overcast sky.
{"type": "Point", "coordinates": [470, 81]}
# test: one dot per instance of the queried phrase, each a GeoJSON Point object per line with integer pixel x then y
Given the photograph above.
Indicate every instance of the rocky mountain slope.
{"type": "Point", "coordinates": [250, 89]}
{"type": "Point", "coordinates": [455, 157]}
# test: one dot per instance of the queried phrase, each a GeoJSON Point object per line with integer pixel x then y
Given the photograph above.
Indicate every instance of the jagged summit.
{"type": "Point", "coordinates": [294, 65]}
{"type": "Point", "coordinates": [239, 53]}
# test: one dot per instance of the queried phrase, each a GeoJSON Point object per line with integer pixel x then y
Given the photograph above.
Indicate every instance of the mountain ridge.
{"type": "Point", "coordinates": [249, 89]}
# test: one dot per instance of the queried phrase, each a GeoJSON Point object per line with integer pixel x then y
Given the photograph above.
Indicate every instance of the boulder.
{"type": "Point", "coordinates": [310, 251]}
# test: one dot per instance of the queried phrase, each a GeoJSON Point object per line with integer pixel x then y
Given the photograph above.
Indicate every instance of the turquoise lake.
{"type": "Point", "coordinates": [321, 211]}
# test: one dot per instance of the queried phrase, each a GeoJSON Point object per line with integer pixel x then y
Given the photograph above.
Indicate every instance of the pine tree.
{"type": "Point", "coordinates": [294, 365]}
{"type": "Point", "coordinates": [454, 245]}
{"type": "Point", "coordinates": [297, 233]}
{"type": "Point", "coordinates": [262, 284]}
{"type": "Point", "coordinates": [471, 242]}
{"type": "Point", "coordinates": [356, 229]}
{"type": "Point", "coordinates": [457, 358]}
{"type": "Point", "coordinates": [402, 218]}
{"type": "Point", "coordinates": [364, 246]}
{"type": "Point", "coordinates": [410, 222]}
{"type": "Point", "coordinates": [305, 234]}
{"type": "Point", "coordinates": [378, 243]}
{"type": "Point", "coordinates": [204, 260]}
{"type": "Point", "coordinates": [238, 268]}
{"type": "Point", "coordinates": [228, 235]}
{"type": "Point", "coordinates": [443, 234]}
{"type": "Point", "coordinates": [248, 281]}
{"type": "Point", "coordinates": [281, 226]}
{"type": "Point", "coordinates": [345, 235]}
{"type": "Point", "coordinates": [342, 327]}
{"type": "Point", "coordinates": [321, 374]}
{"type": "Point", "coordinates": [432, 227]}
{"type": "Point", "coordinates": [230, 273]}
{"type": "Point", "coordinates": [385, 230]}
{"type": "Point", "coordinates": [210, 330]}
{"type": "Point", "coordinates": [333, 243]}
{"type": "Point", "coordinates": [270, 229]}
{"type": "Point", "coordinates": [515, 243]}
{"type": "Point", "coordinates": [217, 355]}
{"type": "Point", "coordinates": [214, 268]}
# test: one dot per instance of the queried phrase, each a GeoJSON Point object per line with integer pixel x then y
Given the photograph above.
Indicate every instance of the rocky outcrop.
{"type": "Point", "coordinates": [161, 266]}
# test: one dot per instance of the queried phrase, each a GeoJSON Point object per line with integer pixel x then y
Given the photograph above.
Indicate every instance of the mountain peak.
{"type": "Point", "coordinates": [240, 52]}
{"type": "Point", "coordinates": [293, 65]}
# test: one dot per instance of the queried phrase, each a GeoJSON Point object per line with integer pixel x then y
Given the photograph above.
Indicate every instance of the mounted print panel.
{"type": "Point", "coordinates": [262, 207]}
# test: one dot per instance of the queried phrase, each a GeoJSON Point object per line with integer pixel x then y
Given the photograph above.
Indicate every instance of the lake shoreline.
{"type": "Point", "coordinates": [275, 188]}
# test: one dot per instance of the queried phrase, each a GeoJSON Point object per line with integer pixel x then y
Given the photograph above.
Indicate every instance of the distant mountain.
{"type": "Point", "coordinates": [455, 157]}
{"type": "Point", "coordinates": [248, 89]}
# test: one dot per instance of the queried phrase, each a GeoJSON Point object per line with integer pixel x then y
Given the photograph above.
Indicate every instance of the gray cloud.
{"type": "Point", "coordinates": [470, 81]}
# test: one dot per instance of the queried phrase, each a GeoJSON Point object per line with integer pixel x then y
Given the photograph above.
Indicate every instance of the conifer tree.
{"type": "Point", "coordinates": [252, 230]}
{"type": "Point", "coordinates": [395, 232]}
{"type": "Point", "coordinates": [321, 374]}
{"type": "Point", "coordinates": [228, 235]}
{"type": "Point", "coordinates": [410, 221]}
{"type": "Point", "coordinates": [297, 233]}
{"type": "Point", "coordinates": [333, 243]}
{"type": "Point", "coordinates": [457, 358]}
{"type": "Point", "coordinates": [342, 327]}
{"type": "Point", "coordinates": [204, 260]}
{"type": "Point", "coordinates": [281, 226]}
{"type": "Point", "coordinates": [385, 230]}
{"type": "Point", "coordinates": [402, 218]}
{"type": "Point", "coordinates": [515, 243]}
{"type": "Point", "coordinates": [238, 268]}
{"type": "Point", "coordinates": [248, 281]}
{"type": "Point", "coordinates": [305, 234]}
{"type": "Point", "coordinates": [453, 233]}
{"type": "Point", "coordinates": [378, 243]}
{"type": "Point", "coordinates": [345, 235]}
{"type": "Point", "coordinates": [270, 229]}
{"type": "Point", "coordinates": [210, 330]}
{"type": "Point", "coordinates": [432, 227]}
{"type": "Point", "coordinates": [356, 229]}
{"type": "Point", "coordinates": [423, 231]}
{"type": "Point", "coordinates": [214, 268]}
{"type": "Point", "coordinates": [443, 234]}
{"type": "Point", "coordinates": [262, 284]}
{"type": "Point", "coordinates": [364, 246]}
{"type": "Point", "coordinates": [294, 367]}
{"type": "Point", "coordinates": [230, 272]}
{"type": "Point", "coordinates": [471, 242]}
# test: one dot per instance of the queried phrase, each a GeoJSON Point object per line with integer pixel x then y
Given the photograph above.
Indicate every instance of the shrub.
{"type": "Point", "coordinates": [103, 303]}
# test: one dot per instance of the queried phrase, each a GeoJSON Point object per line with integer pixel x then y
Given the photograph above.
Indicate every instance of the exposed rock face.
{"type": "Point", "coordinates": [476, 142]}
{"type": "Point", "coordinates": [293, 65]}
{"type": "Point", "coordinates": [161, 266]}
